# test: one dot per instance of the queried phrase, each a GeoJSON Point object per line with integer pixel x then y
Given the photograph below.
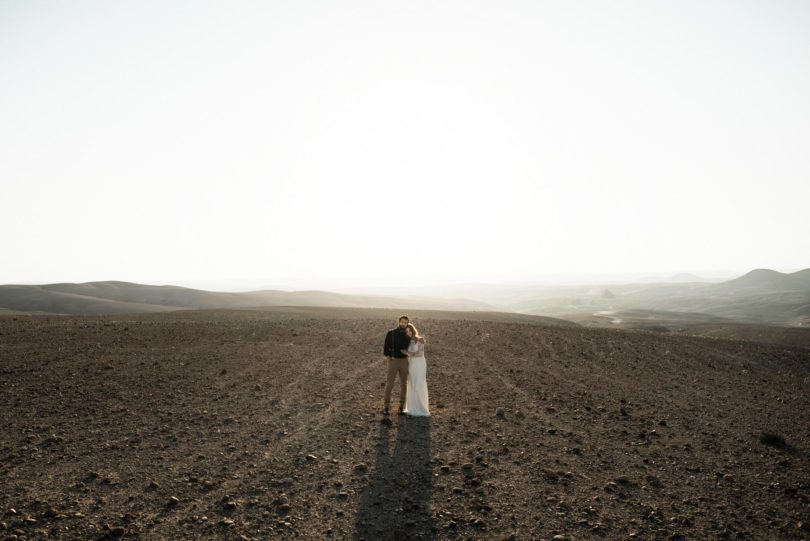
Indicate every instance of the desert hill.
{"type": "Point", "coordinates": [112, 297]}
{"type": "Point", "coordinates": [766, 280]}
{"type": "Point", "coordinates": [39, 299]}
{"type": "Point", "coordinates": [257, 424]}
{"type": "Point", "coordinates": [759, 297]}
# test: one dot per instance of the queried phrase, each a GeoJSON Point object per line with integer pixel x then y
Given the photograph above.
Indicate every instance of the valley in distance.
{"type": "Point", "coordinates": [675, 410]}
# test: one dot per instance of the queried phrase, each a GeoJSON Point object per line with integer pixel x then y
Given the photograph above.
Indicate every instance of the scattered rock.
{"type": "Point", "coordinates": [204, 435]}
{"type": "Point", "coordinates": [774, 440]}
{"type": "Point", "coordinates": [654, 481]}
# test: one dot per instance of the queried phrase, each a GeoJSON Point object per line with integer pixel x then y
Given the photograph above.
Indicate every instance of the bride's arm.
{"type": "Point", "coordinates": [413, 353]}
{"type": "Point", "coordinates": [420, 347]}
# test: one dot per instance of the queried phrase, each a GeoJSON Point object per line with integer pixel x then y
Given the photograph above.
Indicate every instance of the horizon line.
{"type": "Point", "coordinates": [368, 283]}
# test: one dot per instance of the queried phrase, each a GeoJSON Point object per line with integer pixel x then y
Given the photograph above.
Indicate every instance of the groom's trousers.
{"type": "Point", "coordinates": [397, 367]}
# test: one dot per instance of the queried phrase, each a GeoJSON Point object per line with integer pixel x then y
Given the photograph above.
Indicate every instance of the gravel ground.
{"type": "Point", "coordinates": [254, 425]}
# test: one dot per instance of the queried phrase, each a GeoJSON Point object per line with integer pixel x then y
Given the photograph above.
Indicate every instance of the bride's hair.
{"type": "Point", "coordinates": [416, 334]}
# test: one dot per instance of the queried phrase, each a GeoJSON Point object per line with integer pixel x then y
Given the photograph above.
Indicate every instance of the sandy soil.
{"type": "Point", "coordinates": [252, 425]}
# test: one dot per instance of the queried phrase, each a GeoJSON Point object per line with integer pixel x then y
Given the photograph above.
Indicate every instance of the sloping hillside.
{"type": "Point", "coordinates": [171, 296]}
{"type": "Point", "coordinates": [96, 298]}
{"type": "Point", "coordinates": [760, 296]}
{"type": "Point", "coordinates": [767, 280]}
{"type": "Point", "coordinates": [37, 299]}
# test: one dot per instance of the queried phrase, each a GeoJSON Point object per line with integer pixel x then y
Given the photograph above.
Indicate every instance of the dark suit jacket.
{"type": "Point", "coordinates": [395, 341]}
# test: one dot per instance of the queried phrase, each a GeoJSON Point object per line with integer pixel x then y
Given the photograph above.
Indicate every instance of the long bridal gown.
{"type": "Point", "coordinates": [416, 401]}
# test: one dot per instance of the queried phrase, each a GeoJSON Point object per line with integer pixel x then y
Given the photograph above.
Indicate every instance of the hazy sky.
{"type": "Point", "coordinates": [365, 142]}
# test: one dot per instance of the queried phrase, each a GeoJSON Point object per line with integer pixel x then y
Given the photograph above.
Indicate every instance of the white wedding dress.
{"type": "Point", "coordinates": [416, 401]}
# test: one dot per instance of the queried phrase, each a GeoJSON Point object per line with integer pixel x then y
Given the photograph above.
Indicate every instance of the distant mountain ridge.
{"type": "Point", "coordinates": [114, 297]}
{"type": "Point", "coordinates": [769, 280]}
{"type": "Point", "coordinates": [759, 296]}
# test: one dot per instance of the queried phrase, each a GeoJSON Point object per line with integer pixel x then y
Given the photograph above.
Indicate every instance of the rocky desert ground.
{"type": "Point", "coordinates": [259, 424]}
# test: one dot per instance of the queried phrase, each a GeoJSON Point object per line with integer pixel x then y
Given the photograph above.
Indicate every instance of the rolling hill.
{"type": "Point", "coordinates": [111, 297]}
{"type": "Point", "coordinates": [761, 296]}
{"type": "Point", "coordinates": [767, 280]}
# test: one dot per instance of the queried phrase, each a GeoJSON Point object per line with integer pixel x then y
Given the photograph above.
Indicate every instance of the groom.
{"type": "Point", "coordinates": [395, 341]}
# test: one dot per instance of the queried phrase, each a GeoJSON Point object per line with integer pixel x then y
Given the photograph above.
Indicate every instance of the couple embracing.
{"type": "Point", "coordinates": [404, 350]}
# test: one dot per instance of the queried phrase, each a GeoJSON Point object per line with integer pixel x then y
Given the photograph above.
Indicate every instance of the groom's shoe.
{"type": "Point", "coordinates": [401, 411]}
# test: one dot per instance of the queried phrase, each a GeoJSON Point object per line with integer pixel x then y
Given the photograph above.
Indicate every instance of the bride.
{"type": "Point", "coordinates": [416, 401]}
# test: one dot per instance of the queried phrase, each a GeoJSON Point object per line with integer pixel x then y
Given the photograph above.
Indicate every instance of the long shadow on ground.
{"type": "Point", "coordinates": [396, 506]}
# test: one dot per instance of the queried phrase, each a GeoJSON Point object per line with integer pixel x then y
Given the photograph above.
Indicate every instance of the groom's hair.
{"type": "Point", "coordinates": [404, 317]}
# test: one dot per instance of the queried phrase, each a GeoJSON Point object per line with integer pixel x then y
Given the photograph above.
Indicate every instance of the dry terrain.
{"type": "Point", "coordinates": [266, 425]}
{"type": "Point", "coordinates": [693, 324]}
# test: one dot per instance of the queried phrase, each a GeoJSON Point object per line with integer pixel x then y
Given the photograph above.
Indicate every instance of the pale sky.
{"type": "Point", "coordinates": [348, 143]}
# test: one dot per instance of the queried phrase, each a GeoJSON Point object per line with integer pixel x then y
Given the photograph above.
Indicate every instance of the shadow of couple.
{"type": "Point", "coordinates": [396, 505]}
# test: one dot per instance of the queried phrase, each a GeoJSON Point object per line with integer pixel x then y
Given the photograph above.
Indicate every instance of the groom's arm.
{"type": "Point", "coordinates": [388, 349]}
